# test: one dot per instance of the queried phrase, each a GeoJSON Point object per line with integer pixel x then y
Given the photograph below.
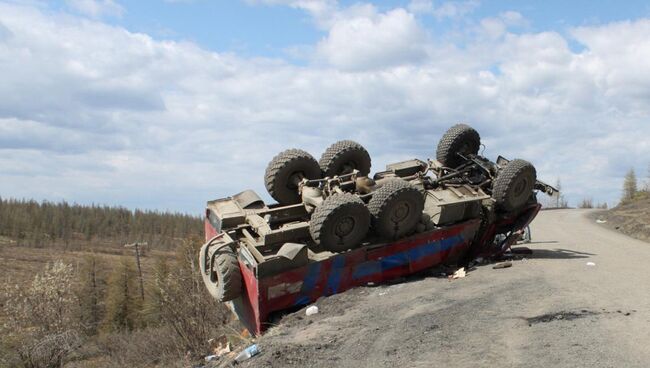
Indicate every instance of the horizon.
{"type": "Point", "coordinates": [164, 105]}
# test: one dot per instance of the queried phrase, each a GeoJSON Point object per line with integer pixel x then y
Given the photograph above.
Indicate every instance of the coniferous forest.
{"type": "Point", "coordinates": [38, 224]}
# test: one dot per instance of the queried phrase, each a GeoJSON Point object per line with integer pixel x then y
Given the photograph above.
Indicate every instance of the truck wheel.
{"type": "Point", "coordinates": [344, 156]}
{"type": "Point", "coordinates": [224, 282]}
{"type": "Point", "coordinates": [460, 138]}
{"type": "Point", "coordinates": [514, 185]}
{"type": "Point", "coordinates": [340, 222]}
{"type": "Point", "coordinates": [396, 208]}
{"type": "Point", "coordinates": [284, 173]}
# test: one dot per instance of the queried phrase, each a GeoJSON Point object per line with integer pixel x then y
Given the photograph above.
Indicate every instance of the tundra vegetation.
{"type": "Point", "coordinates": [72, 296]}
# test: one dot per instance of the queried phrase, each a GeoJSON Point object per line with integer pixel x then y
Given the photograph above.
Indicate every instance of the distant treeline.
{"type": "Point", "coordinates": [31, 223]}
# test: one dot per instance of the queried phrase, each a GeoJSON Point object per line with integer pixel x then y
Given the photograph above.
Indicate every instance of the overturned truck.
{"type": "Point", "coordinates": [335, 227]}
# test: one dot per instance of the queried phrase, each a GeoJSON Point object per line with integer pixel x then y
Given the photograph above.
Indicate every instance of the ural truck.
{"type": "Point", "coordinates": [335, 227]}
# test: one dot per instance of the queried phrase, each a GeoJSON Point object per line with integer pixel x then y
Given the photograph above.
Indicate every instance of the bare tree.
{"type": "Point", "coordinates": [586, 203]}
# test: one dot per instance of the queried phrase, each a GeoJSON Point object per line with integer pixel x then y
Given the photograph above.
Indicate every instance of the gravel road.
{"type": "Point", "coordinates": [549, 310]}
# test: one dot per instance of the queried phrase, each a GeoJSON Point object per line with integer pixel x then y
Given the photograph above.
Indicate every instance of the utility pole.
{"type": "Point", "coordinates": [137, 260]}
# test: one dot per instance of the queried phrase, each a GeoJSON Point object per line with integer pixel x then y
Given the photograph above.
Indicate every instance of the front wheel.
{"type": "Point", "coordinates": [223, 278]}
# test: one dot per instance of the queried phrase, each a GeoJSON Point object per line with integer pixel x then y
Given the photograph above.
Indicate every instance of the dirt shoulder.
{"type": "Point", "coordinates": [631, 218]}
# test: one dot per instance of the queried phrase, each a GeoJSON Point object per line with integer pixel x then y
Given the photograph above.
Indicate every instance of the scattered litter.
{"type": "Point", "coordinates": [311, 310]}
{"type": "Point", "coordinates": [222, 350]}
{"type": "Point", "coordinates": [479, 260]}
{"type": "Point", "coordinates": [370, 283]}
{"type": "Point", "coordinates": [590, 264]}
{"type": "Point", "coordinates": [382, 293]}
{"type": "Point", "coordinates": [600, 221]}
{"type": "Point", "coordinates": [502, 265]}
{"type": "Point", "coordinates": [247, 353]}
{"type": "Point", "coordinates": [210, 358]}
{"type": "Point", "coordinates": [459, 274]}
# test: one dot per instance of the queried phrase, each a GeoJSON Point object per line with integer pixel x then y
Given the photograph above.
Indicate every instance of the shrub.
{"type": "Point", "coordinates": [44, 328]}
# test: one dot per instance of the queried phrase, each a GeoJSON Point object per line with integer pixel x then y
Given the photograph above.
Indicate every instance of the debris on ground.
{"type": "Point", "coordinates": [459, 274]}
{"type": "Point", "coordinates": [502, 265]}
{"type": "Point", "coordinates": [247, 353]}
{"type": "Point", "coordinates": [311, 310]}
{"type": "Point", "coordinates": [601, 221]}
{"type": "Point", "coordinates": [221, 351]}
{"type": "Point", "coordinates": [590, 264]}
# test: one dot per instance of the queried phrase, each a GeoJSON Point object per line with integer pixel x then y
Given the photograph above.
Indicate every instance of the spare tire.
{"type": "Point", "coordinates": [396, 208]}
{"type": "Point", "coordinates": [224, 281]}
{"type": "Point", "coordinates": [340, 222]}
{"type": "Point", "coordinates": [285, 171]}
{"type": "Point", "coordinates": [344, 156]}
{"type": "Point", "coordinates": [460, 138]}
{"type": "Point", "coordinates": [514, 185]}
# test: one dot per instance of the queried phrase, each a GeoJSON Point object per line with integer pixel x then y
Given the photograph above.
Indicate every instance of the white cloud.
{"type": "Point", "coordinates": [94, 113]}
{"type": "Point", "coordinates": [96, 8]}
{"type": "Point", "coordinates": [449, 9]}
{"type": "Point", "coordinates": [495, 27]}
{"type": "Point", "coordinates": [375, 41]}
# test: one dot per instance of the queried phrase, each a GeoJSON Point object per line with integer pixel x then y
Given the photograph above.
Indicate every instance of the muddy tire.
{"type": "Point", "coordinates": [224, 282]}
{"type": "Point", "coordinates": [396, 208]}
{"type": "Point", "coordinates": [344, 156]}
{"type": "Point", "coordinates": [285, 171]}
{"type": "Point", "coordinates": [514, 185]}
{"type": "Point", "coordinates": [460, 138]}
{"type": "Point", "coordinates": [340, 222]}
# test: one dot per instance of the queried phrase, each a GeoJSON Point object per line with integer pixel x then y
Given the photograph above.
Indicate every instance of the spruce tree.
{"type": "Point", "coordinates": [123, 302]}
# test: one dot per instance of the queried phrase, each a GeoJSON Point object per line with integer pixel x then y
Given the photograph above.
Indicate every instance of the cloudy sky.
{"type": "Point", "coordinates": [166, 104]}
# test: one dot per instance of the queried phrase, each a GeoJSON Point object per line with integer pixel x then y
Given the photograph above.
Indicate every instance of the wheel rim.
{"type": "Point", "coordinates": [401, 212]}
{"type": "Point", "coordinates": [348, 167]}
{"type": "Point", "coordinates": [294, 179]}
{"type": "Point", "coordinates": [344, 227]}
{"type": "Point", "coordinates": [520, 187]}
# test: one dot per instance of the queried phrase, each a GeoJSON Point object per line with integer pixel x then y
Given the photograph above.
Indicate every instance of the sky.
{"type": "Point", "coordinates": [165, 104]}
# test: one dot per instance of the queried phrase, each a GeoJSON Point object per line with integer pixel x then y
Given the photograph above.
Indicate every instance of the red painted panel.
{"type": "Point", "coordinates": [265, 296]}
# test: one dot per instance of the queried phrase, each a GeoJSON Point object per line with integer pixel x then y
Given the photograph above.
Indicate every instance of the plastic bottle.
{"type": "Point", "coordinates": [247, 353]}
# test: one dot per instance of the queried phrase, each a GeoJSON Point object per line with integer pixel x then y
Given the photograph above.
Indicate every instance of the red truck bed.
{"type": "Point", "coordinates": [374, 263]}
{"type": "Point", "coordinates": [262, 296]}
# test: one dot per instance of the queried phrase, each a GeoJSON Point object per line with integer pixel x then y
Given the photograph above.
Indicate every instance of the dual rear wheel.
{"type": "Point", "coordinates": [343, 220]}
{"type": "Point", "coordinates": [288, 168]}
